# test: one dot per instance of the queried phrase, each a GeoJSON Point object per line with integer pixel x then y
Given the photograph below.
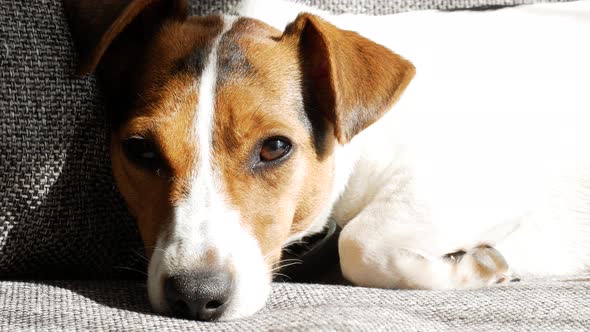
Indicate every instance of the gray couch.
{"type": "Point", "coordinates": [542, 305]}
{"type": "Point", "coordinates": [61, 217]}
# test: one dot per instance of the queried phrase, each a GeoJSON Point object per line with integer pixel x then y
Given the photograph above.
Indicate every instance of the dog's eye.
{"type": "Point", "coordinates": [143, 153]}
{"type": "Point", "coordinates": [274, 148]}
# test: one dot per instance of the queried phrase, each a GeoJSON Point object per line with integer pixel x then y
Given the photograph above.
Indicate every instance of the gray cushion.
{"type": "Point", "coordinates": [58, 208]}
{"type": "Point", "coordinates": [372, 7]}
{"type": "Point", "coordinates": [549, 305]}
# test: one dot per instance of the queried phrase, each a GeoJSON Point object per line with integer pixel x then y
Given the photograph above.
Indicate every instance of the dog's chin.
{"type": "Point", "coordinates": [251, 288]}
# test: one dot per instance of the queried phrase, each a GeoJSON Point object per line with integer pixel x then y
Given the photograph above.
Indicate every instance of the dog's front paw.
{"type": "Point", "coordinates": [479, 267]}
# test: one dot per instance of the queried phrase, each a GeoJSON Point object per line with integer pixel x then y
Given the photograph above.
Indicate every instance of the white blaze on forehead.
{"type": "Point", "coordinates": [206, 107]}
{"type": "Point", "coordinates": [205, 195]}
{"type": "Point", "coordinates": [204, 222]}
{"type": "Point", "coordinates": [204, 117]}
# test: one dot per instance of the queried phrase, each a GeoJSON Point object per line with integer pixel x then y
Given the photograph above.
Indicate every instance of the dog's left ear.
{"type": "Point", "coordinates": [112, 38]}
{"type": "Point", "coordinates": [351, 80]}
{"type": "Point", "coordinates": [97, 24]}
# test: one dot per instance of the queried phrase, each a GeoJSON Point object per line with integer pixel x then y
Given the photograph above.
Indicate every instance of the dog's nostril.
{"type": "Point", "coordinates": [203, 295]}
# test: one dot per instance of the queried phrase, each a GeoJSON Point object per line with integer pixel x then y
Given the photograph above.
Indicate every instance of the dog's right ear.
{"type": "Point", "coordinates": [349, 80]}
{"type": "Point", "coordinates": [116, 28]}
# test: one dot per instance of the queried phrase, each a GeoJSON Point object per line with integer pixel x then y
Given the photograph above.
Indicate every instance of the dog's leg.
{"type": "Point", "coordinates": [378, 253]}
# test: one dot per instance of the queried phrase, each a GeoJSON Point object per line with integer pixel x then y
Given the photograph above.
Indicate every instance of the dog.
{"type": "Point", "coordinates": [451, 147]}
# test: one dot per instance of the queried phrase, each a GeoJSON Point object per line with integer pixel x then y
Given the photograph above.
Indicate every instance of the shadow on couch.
{"type": "Point", "coordinates": [78, 227]}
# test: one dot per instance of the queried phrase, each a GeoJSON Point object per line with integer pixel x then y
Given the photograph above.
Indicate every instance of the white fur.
{"type": "Point", "coordinates": [489, 144]}
{"type": "Point", "coordinates": [205, 223]}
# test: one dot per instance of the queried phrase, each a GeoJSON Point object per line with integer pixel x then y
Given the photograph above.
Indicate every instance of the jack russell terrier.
{"type": "Point", "coordinates": [453, 148]}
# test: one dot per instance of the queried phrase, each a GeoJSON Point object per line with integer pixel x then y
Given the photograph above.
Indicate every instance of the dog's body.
{"type": "Point", "coordinates": [247, 138]}
{"type": "Point", "coordinates": [488, 146]}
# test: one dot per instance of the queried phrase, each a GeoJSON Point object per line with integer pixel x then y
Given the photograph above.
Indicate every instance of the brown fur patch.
{"type": "Point", "coordinates": [488, 262]}
{"type": "Point", "coordinates": [277, 201]}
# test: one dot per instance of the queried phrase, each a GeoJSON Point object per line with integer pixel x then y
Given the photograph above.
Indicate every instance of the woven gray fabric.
{"type": "Point", "coordinates": [550, 305]}
{"type": "Point", "coordinates": [372, 7]}
{"type": "Point", "coordinates": [59, 210]}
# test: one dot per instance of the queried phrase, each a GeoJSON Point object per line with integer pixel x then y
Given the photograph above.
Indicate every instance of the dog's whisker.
{"type": "Point", "coordinates": [288, 251]}
{"type": "Point", "coordinates": [276, 274]}
{"type": "Point", "coordinates": [290, 261]}
{"type": "Point", "coordinates": [142, 256]}
{"type": "Point", "coordinates": [131, 269]}
{"type": "Point", "coordinates": [284, 266]}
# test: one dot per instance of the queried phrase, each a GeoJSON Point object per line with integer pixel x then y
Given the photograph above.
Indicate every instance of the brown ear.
{"type": "Point", "coordinates": [95, 24]}
{"type": "Point", "coordinates": [350, 79]}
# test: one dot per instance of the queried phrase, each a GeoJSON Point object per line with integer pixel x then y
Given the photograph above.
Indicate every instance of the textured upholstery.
{"type": "Point", "coordinates": [371, 7]}
{"type": "Point", "coordinates": [58, 208]}
{"type": "Point", "coordinates": [60, 214]}
{"type": "Point", "coordinates": [549, 305]}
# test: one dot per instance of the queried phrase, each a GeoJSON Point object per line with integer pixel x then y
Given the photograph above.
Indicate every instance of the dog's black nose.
{"type": "Point", "coordinates": [201, 295]}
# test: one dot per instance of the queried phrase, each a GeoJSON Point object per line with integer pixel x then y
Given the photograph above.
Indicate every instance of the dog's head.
{"type": "Point", "coordinates": [224, 131]}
